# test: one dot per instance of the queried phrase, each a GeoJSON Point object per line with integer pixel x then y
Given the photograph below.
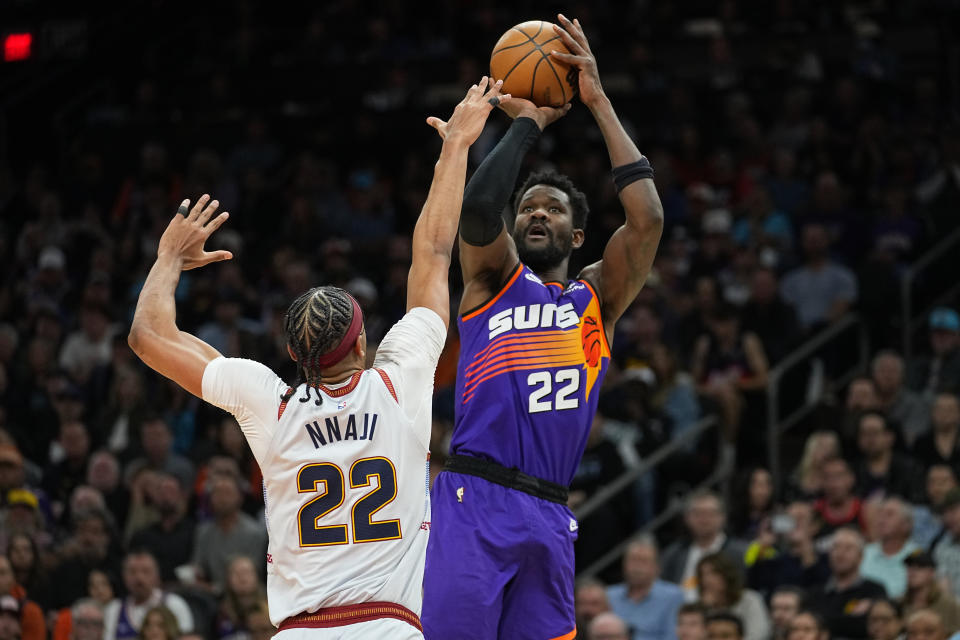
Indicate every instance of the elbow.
{"type": "Point", "coordinates": [138, 339]}
{"type": "Point", "coordinates": [655, 215]}
{"type": "Point", "coordinates": [135, 339]}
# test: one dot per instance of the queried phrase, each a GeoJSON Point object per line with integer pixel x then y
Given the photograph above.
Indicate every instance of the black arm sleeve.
{"type": "Point", "coordinates": [490, 187]}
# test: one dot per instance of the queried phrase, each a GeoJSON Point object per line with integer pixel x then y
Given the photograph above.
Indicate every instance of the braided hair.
{"type": "Point", "coordinates": [315, 324]}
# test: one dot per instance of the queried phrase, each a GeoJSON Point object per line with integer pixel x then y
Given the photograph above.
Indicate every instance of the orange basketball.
{"type": "Point", "coordinates": [590, 336]}
{"type": "Point", "coordinates": [521, 58]}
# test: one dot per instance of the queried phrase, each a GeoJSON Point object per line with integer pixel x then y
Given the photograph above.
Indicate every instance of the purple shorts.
{"type": "Point", "coordinates": [499, 564]}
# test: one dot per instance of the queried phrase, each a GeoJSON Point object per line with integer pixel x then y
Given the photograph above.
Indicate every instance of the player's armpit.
{"type": "Point", "coordinates": [630, 252]}
{"type": "Point", "coordinates": [178, 356]}
{"type": "Point", "coordinates": [486, 269]}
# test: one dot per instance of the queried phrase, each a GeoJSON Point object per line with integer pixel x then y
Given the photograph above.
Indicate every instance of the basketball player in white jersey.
{"type": "Point", "coordinates": [344, 452]}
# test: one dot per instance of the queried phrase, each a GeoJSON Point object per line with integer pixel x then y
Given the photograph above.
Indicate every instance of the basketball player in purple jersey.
{"type": "Point", "coordinates": [534, 350]}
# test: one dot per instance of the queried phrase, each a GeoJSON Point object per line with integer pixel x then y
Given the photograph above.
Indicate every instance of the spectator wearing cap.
{"type": "Point", "coordinates": [13, 476]}
{"type": "Point", "coordinates": [946, 550]}
{"type": "Point", "coordinates": [883, 559]}
{"type": "Point", "coordinates": [882, 471]}
{"type": "Point", "coordinates": [9, 618]}
{"type": "Point", "coordinates": [846, 597]}
{"type": "Point", "coordinates": [22, 516]}
{"type": "Point", "coordinates": [941, 369]}
{"type": "Point", "coordinates": [941, 445]}
{"type": "Point", "coordinates": [901, 405]}
{"type": "Point", "coordinates": [821, 290]}
{"type": "Point", "coordinates": [32, 623]}
{"type": "Point", "coordinates": [927, 524]}
{"type": "Point", "coordinates": [90, 346]}
{"type": "Point", "coordinates": [924, 591]}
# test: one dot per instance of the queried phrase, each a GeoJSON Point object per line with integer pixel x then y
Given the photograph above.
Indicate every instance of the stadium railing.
{"type": "Point", "coordinates": [806, 354]}
{"type": "Point", "coordinates": [937, 262]}
{"type": "Point", "coordinates": [603, 495]}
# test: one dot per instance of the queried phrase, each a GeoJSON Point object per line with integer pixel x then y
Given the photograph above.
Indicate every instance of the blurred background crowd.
{"type": "Point", "coordinates": [807, 154]}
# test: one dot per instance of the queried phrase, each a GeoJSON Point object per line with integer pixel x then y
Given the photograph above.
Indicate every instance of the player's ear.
{"type": "Point", "coordinates": [360, 346]}
{"type": "Point", "coordinates": [293, 356]}
{"type": "Point", "coordinates": [577, 238]}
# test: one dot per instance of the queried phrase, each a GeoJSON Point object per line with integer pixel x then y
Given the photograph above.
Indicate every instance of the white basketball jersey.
{"type": "Point", "coordinates": [346, 482]}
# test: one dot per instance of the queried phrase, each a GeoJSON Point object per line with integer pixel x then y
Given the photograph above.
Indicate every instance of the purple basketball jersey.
{"type": "Point", "coordinates": [531, 364]}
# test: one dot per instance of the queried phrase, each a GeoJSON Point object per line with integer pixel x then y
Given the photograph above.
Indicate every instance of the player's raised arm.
{"type": "Point", "coordinates": [630, 252]}
{"type": "Point", "coordinates": [487, 252]}
{"type": "Point", "coordinates": [436, 227]}
{"type": "Point", "coordinates": [154, 335]}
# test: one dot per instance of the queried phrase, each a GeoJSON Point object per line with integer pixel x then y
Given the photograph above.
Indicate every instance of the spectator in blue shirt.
{"type": "Point", "coordinates": [649, 605]}
{"type": "Point", "coordinates": [820, 290]}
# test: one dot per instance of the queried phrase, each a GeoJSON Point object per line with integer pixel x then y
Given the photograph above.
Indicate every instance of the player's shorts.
{"type": "Point", "coordinates": [499, 564]}
{"type": "Point", "coordinates": [371, 630]}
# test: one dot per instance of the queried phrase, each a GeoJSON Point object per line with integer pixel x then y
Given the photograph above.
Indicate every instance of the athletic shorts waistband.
{"type": "Point", "coordinates": [351, 614]}
{"type": "Point", "coordinates": [511, 478]}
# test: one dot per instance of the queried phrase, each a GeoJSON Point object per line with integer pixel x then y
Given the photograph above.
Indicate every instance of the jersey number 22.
{"type": "Point", "coordinates": [568, 383]}
{"type": "Point", "coordinates": [365, 529]}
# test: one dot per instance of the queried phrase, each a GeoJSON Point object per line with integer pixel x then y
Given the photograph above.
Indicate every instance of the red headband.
{"type": "Point", "coordinates": [349, 339]}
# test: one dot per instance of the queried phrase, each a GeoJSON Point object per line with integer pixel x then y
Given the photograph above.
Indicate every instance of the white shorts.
{"type": "Point", "coordinates": [383, 629]}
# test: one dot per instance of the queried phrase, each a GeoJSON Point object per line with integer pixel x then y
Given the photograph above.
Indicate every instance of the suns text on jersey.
{"type": "Point", "coordinates": [533, 316]}
{"type": "Point", "coordinates": [332, 429]}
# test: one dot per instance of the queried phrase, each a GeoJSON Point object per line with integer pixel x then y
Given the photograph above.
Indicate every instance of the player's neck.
{"type": "Point", "coordinates": [342, 371]}
{"type": "Point", "coordinates": [557, 273]}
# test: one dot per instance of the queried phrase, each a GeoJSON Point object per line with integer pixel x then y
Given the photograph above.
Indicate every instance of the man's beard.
{"type": "Point", "coordinates": [540, 259]}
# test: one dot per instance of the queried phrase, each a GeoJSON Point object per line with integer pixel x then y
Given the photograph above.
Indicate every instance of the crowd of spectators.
{"type": "Point", "coordinates": [805, 154]}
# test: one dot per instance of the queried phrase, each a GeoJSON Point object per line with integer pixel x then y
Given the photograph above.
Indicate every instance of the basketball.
{"type": "Point", "coordinates": [590, 335]}
{"type": "Point", "coordinates": [521, 58]}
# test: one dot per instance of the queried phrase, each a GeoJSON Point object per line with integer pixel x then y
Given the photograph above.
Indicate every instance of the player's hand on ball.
{"type": "Point", "coordinates": [543, 116]}
{"type": "Point", "coordinates": [580, 57]}
{"type": "Point", "coordinates": [470, 115]}
{"type": "Point", "coordinates": [188, 232]}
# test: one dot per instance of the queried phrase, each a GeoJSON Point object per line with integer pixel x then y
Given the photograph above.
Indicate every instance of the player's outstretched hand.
{"type": "Point", "coordinates": [580, 57]}
{"type": "Point", "coordinates": [543, 116]}
{"type": "Point", "coordinates": [470, 115]}
{"type": "Point", "coordinates": [188, 232]}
